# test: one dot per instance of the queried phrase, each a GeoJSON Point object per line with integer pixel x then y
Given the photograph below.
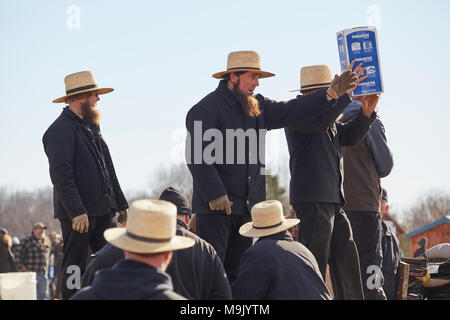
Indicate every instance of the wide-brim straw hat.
{"type": "Point", "coordinates": [243, 61]}
{"type": "Point", "coordinates": [81, 82]}
{"type": "Point", "coordinates": [151, 228]}
{"type": "Point", "coordinates": [314, 77]}
{"type": "Point", "coordinates": [267, 219]}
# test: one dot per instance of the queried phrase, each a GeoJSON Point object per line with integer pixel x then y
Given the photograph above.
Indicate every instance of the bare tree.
{"type": "Point", "coordinates": [178, 177]}
{"type": "Point", "coordinates": [431, 207]}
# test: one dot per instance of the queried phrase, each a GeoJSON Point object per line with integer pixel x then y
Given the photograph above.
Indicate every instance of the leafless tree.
{"type": "Point", "coordinates": [177, 176]}
{"type": "Point", "coordinates": [431, 207]}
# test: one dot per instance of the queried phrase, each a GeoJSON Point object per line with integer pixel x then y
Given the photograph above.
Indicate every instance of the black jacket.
{"type": "Point", "coordinates": [197, 272]}
{"type": "Point", "coordinates": [129, 280]}
{"type": "Point", "coordinates": [316, 162]}
{"type": "Point", "coordinates": [279, 268]}
{"type": "Point", "coordinates": [238, 174]}
{"type": "Point", "coordinates": [391, 261]}
{"type": "Point", "coordinates": [79, 184]}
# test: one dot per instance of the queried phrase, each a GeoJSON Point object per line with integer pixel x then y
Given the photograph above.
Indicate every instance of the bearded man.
{"type": "Point", "coordinates": [229, 173]}
{"type": "Point", "coordinates": [86, 192]}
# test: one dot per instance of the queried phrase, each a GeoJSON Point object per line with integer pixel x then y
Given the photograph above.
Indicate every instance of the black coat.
{"type": "Point", "coordinates": [197, 272]}
{"type": "Point", "coordinates": [78, 181]}
{"type": "Point", "coordinates": [242, 178]}
{"type": "Point", "coordinates": [7, 261]}
{"type": "Point", "coordinates": [316, 162]}
{"type": "Point", "coordinates": [391, 261]}
{"type": "Point", "coordinates": [278, 268]}
{"type": "Point", "coordinates": [129, 280]}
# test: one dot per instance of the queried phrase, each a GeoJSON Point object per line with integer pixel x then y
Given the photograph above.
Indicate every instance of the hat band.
{"type": "Point", "coordinates": [91, 86]}
{"type": "Point", "coordinates": [315, 85]}
{"type": "Point", "coordinates": [144, 239]}
{"type": "Point", "coordinates": [230, 69]}
{"type": "Point", "coordinates": [269, 227]}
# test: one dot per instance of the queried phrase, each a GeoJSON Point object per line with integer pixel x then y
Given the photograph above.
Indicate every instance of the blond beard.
{"type": "Point", "coordinates": [90, 114]}
{"type": "Point", "coordinates": [249, 103]}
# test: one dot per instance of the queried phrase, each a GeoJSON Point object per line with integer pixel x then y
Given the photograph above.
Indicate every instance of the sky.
{"type": "Point", "coordinates": [159, 58]}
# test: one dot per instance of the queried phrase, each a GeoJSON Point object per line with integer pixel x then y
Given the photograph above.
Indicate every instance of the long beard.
{"type": "Point", "coordinates": [249, 104]}
{"type": "Point", "coordinates": [91, 115]}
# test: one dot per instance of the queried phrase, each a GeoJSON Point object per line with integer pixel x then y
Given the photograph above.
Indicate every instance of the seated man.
{"type": "Point", "coordinates": [391, 251]}
{"type": "Point", "coordinates": [276, 267]}
{"type": "Point", "coordinates": [148, 242]}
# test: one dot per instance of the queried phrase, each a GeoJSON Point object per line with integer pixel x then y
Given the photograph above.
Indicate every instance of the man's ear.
{"type": "Point", "coordinates": [233, 77]}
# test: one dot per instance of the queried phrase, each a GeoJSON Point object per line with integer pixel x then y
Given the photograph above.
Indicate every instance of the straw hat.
{"type": "Point", "coordinates": [243, 61]}
{"type": "Point", "coordinates": [314, 77]}
{"type": "Point", "coordinates": [81, 82]}
{"type": "Point", "coordinates": [267, 219]}
{"type": "Point", "coordinates": [151, 228]}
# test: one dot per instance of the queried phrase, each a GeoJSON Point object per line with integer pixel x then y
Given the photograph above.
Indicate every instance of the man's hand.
{"type": "Point", "coordinates": [122, 218]}
{"type": "Point", "coordinates": [80, 223]}
{"type": "Point", "coordinates": [369, 103]}
{"type": "Point", "coordinates": [221, 203]}
{"type": "Point", "coordinates": [347, 81]}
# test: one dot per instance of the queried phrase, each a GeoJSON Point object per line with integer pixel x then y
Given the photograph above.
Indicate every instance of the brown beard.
{"type": "Point", "coordinates": [90, 114]}
{"type": "Point", "coordinates": [249, 104]}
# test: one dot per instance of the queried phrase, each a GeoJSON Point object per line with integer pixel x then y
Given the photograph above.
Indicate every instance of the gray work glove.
{"type": "Point", "coordinates": [122, 218]}
{"type": "Point", "coordinates": [221, 203]}
{"type": "Point", "coordinates": [80, 223]}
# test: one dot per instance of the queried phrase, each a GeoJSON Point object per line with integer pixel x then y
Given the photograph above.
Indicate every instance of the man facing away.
{"type": "Point", "coordinates": [86, 192]}
{"type": "Point", "coordinates": [225, 148]}
{"type": "Point", "coordinates": [316, 186]}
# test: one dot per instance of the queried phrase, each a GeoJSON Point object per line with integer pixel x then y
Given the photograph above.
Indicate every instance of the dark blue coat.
{"type": "Point", "coordinates": [129, 280]}
{"type": "Point", "coordinates": [316, 162]}
{"type": "Point", "coordinates": [242, 178]}
{"type": "Point", "coordinates": [79, 185]}
{"type": "Point", "coordinates": [278, 268]}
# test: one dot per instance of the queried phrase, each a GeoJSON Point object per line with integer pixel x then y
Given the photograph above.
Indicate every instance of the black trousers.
{"type": "Point", "coordinates": [366, 226]}
{"type": "Point", "coordinates": [77, 249]}
{"type": "Point", "coordinates": [326, 231]}
{"type": "Point", "coordinates": [222, 232]}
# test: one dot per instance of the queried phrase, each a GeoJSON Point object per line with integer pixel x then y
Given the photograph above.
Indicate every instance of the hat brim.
{"type": "Point", "coordinates": [100, 91]}
{"type": "Point", "coordinates": [264, 74]}
{"type": "Point", "coordinates": [311, 87]}
{"type": "Point", "coordinates": [247, 229]}
{"type": "Point", "coordinates": [118, 238]}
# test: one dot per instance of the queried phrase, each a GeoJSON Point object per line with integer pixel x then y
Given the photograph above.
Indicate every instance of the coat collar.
{"type": "Point", "coordinates": [283, 235]}
{"type": "Point", "coordinates": [223, 91]}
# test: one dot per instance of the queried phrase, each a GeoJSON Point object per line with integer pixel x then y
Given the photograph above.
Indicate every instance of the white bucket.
{"type": "Point", "coordinates": [18, 286]}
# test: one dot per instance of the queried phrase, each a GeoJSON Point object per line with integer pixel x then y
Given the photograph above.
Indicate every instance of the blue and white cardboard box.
{"type": "Point", "coordinates": [361, 45]}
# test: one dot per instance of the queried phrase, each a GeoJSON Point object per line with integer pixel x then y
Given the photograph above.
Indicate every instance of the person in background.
{"type": "Point", "coordinates": [276, 267]}
{"type": "Point", "coordinates": [197, 272]}
{"type": "Point", "coordinates": [33, 255]}
{"type": "Point", "coordinates": [7, 260]}
{"type": "Point", "coordinates": [422, 248]}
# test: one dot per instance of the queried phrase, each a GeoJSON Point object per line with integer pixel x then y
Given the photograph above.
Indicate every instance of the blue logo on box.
{"type": "Point", "coordinates": [361, 47]}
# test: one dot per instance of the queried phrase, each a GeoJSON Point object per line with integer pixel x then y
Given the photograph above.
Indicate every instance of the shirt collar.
{"type": "Point", "coordinates": [226, 93]}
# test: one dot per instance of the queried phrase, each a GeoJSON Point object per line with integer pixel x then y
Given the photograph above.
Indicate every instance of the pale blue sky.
{"type": "Point", "coordinates": [159, 57]}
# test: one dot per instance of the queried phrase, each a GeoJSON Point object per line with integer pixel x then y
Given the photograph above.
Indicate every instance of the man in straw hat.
{"type": "Point", "coordinates": [276, 267]}
{"type": "Point", "coordinates": [365, 163]}
{"type": "Point", "coordinates": [197, 272]}
{"type": "Point", "coordinates": [316, 186]}
{"type": "Point", "coordinates": [229, 179]}
{"type": "Point", "coordinates": [86, 192]}
{"type": "Point", "coordinates": [147, 242]}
